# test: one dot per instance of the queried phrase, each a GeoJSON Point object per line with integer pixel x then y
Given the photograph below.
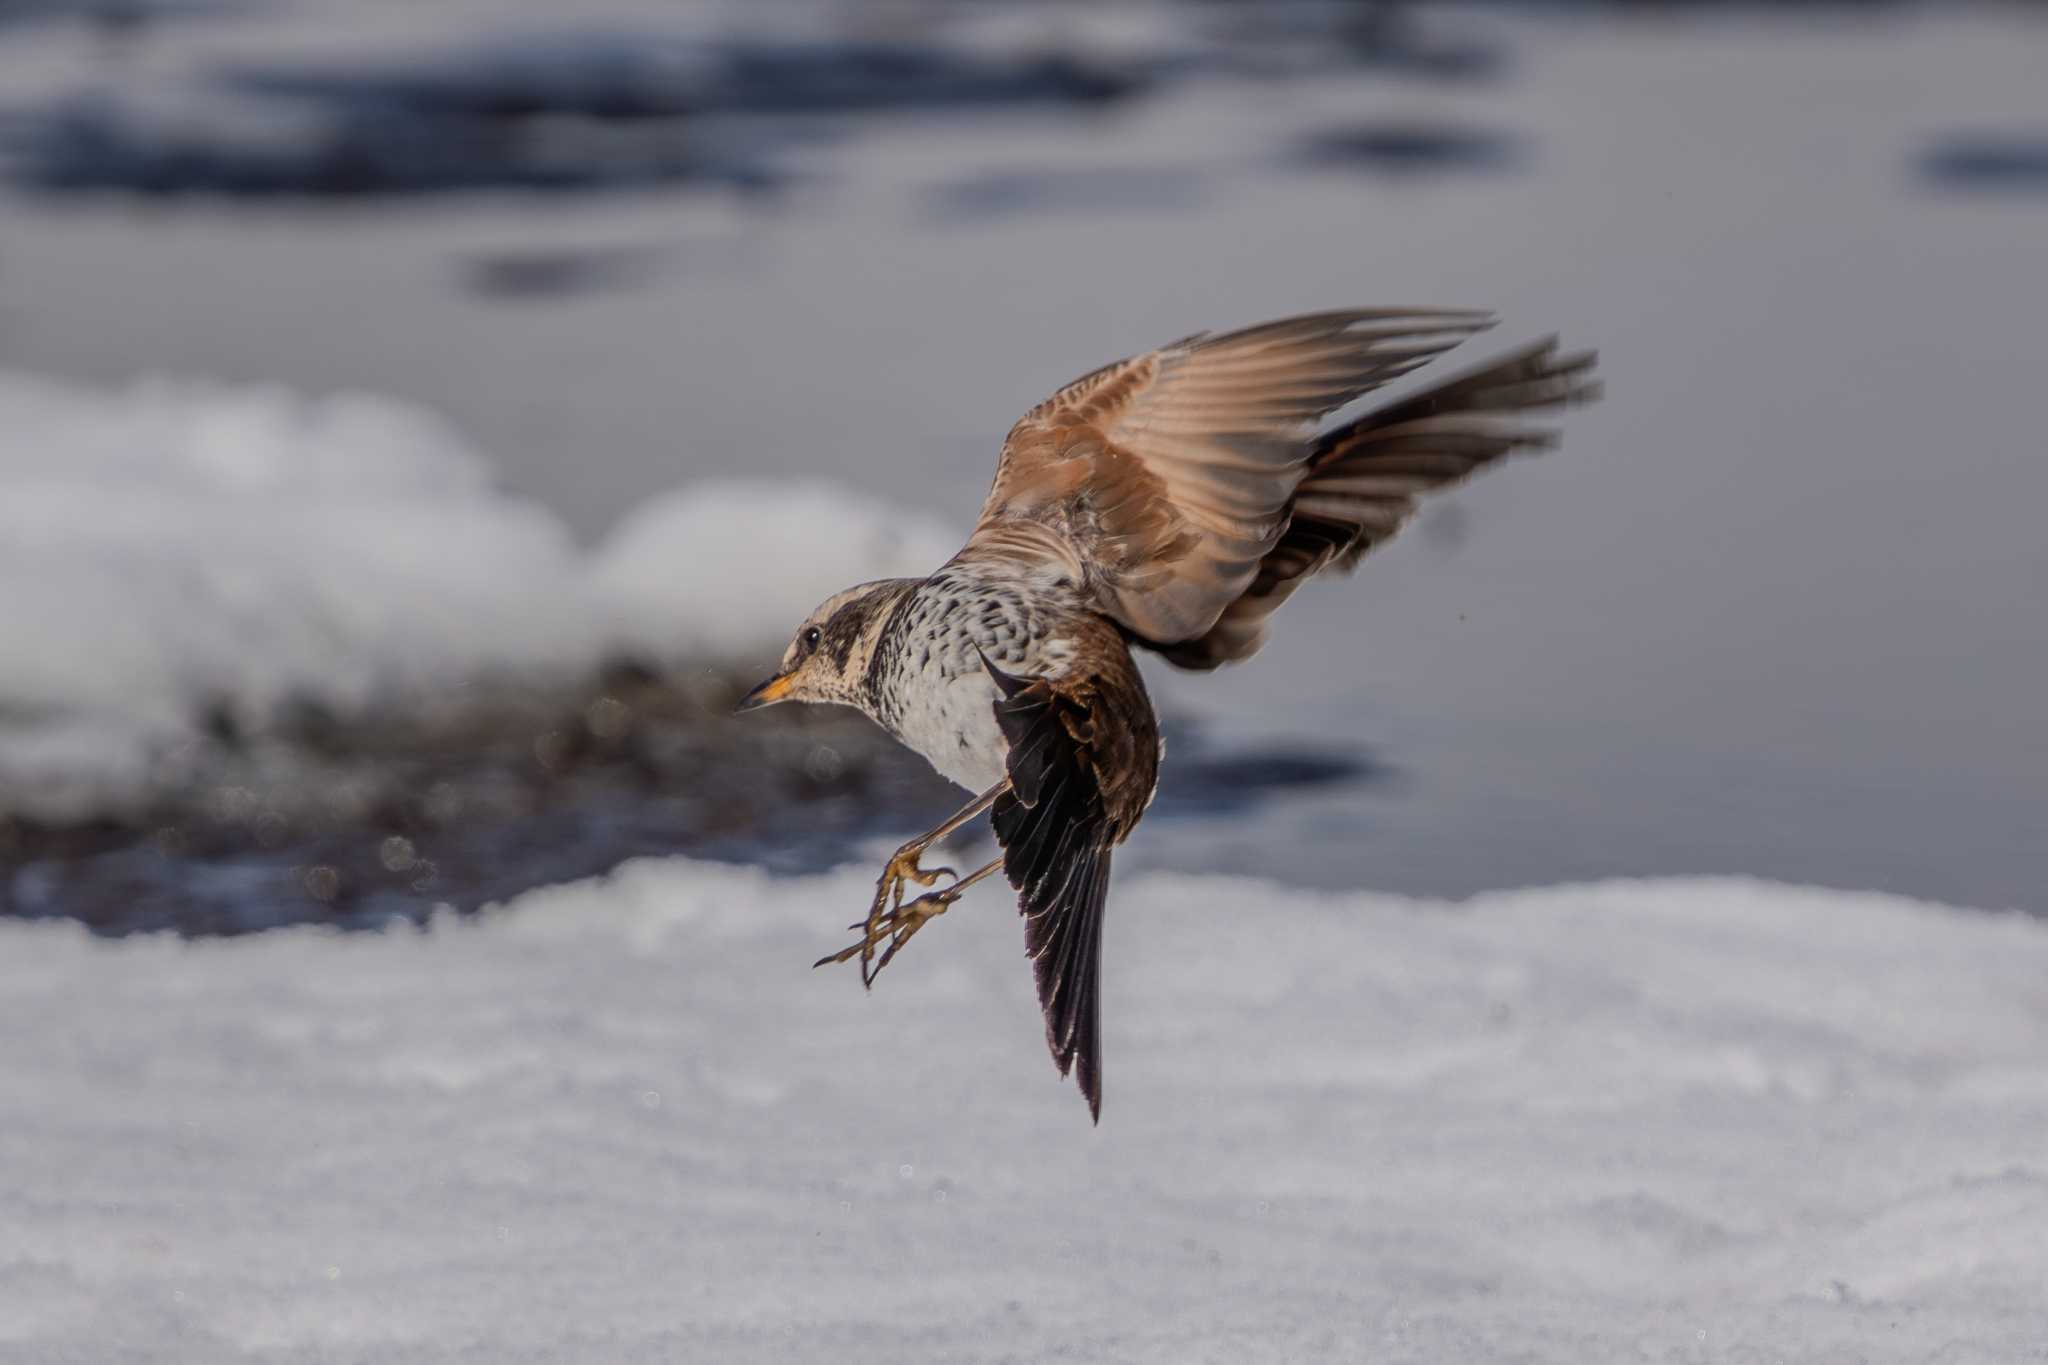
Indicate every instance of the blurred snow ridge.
{"type": "Point", "coordinates": [180, 550]}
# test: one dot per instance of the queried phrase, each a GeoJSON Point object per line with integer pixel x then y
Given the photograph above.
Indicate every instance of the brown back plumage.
{"type": "Point", "coordinates": [1189, 491]}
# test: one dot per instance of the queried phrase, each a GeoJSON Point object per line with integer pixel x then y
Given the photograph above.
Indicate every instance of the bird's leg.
{"type": "Point", "coordinates": [900, 922]}
{"type": "Point", "coordinates": [903, 866]}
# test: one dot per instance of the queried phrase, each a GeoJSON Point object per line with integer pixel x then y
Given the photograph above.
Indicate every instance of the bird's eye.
{"type": "Point", "coordinates": [812, 636]}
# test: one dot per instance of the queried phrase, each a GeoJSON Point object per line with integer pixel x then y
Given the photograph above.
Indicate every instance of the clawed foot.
{"type": "Point", "coordinates": [888, 904]}
{"type": "Point", "coordinates": [895, 925]}
{"type": "Point", "coordinates": [903, 868]}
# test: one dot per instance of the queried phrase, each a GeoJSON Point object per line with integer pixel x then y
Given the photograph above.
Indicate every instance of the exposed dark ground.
{"type": "Point", "coordinates": [394, 816]}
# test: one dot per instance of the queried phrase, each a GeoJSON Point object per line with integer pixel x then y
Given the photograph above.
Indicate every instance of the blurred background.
{"type": "Point", "coordinates": [417, 422]}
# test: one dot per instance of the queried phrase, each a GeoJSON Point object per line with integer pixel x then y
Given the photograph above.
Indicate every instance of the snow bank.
{"type": "Point", "coordinates": [183, 549]}
{"type": "Point", "coordinates": [623, 1120]}
{"type": "Point", "coordinates": [734, 564]}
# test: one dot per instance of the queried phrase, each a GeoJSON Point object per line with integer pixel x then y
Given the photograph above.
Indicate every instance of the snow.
{"type": "Point", "coordinates": [179, 548]}
{"type": "Point", "coordinates": [622, 1120]}
{"type": "Point", "coordinates": [778, 548]}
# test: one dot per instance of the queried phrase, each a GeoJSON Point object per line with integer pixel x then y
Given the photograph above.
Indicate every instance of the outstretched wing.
{"type": "Point", "coordinates": [1363, 479]}
{"type": "Point", "coordinates": [1084, 754]}
{"type": "Point", "coordinates": [1165, 479]}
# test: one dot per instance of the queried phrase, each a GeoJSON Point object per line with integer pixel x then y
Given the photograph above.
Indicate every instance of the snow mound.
{"type": "Point", "coordinates": [623, 1120]}
{"type": "Point", "coordinates": [182, 553]}
{"type": "Point", "coordinates": [721, 562]}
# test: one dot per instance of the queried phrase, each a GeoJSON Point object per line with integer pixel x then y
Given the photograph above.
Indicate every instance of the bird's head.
{"type": "Point", "coordinates": [827, 659]}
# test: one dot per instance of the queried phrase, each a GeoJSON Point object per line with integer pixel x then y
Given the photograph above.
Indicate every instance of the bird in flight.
{"type": "Point", "coordinates": [1168, 502]}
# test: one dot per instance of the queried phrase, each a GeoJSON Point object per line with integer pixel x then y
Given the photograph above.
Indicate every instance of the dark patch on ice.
{"type": "Point", "coordinates": [1987, 163]}
{"type": "Point", "coordinates": [115, 18]}
{"type": "Point", "coordinates": [459, 802]}
{"type": "Point", "coordinates": [1193, 783]}
{"type": "Point", "coordinates": [597, 76]}
{"type": "Point", "coordinates": [547, 273]}
{"type": "Point", "coordinates": [566, 112]}
{"type": "Point", "coordinates": [1412, 149]}
{"type": "Point", "coordinates": [1006, 194]}
{"type": "Point", "coordinates": [1378, 35]}
{"type": "Point", "coordinates": [246, 146]}
{"type": "Point", "coordinates": [358, 821]}
{"type": "Point", "coordinates": [637, 74]}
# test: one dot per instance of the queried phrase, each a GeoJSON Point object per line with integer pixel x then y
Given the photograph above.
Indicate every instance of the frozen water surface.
{"type": "Point", "coordinates": [1776, 607]}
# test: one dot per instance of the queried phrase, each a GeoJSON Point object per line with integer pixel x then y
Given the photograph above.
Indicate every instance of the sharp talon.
{"type": "Point", "coordinates": [840, 956]}
{"type": "Point", "coordinates": [904, 868]}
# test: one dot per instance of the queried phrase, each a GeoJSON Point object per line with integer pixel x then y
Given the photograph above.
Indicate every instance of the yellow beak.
{"type": "Point", "coordinates": [767, 694]}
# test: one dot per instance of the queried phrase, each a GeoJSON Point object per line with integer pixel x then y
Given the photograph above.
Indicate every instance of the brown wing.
{"type": "Point", "coordinates": [1363, 479]}
{"type": "Point", "coordinates": [1084, 756]}
{"type": "Point", "coordinates": [1164, 480]}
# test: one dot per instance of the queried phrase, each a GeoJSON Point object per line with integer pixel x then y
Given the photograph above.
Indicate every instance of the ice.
{"type": "Point", "coordinates": [622, 1120]}
{"type": "Point", "coordinates": [579, 109]}
{"type": "Point", "coordinates": [1774, 606]}
{"type": "Point", "coordinates": [180, 556]}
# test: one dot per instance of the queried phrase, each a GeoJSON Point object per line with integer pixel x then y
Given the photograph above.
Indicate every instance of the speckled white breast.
{"type": "Point", "coordinates": [934, 692]}
{"type": "Point", "coordinates": [953, 724]}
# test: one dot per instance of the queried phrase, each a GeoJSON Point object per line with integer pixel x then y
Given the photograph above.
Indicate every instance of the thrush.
{"type": "Point", "coordinates": [1169, 502]}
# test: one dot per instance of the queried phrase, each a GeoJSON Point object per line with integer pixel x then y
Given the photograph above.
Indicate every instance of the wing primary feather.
{"type": "Point", "coordinates": [1167, 476]}
{"type": "Point", "coordinates": [1363, 477]}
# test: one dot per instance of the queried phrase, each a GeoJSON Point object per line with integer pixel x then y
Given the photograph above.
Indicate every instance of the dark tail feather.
{"type": "Point", "coordinates": [1066, 949]}
{"type": "Point", "coordinates": [1056, 853]}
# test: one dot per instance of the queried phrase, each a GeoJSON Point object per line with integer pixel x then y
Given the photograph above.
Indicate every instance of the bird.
{"type": "Point", "coordinates": [1167, 503]}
